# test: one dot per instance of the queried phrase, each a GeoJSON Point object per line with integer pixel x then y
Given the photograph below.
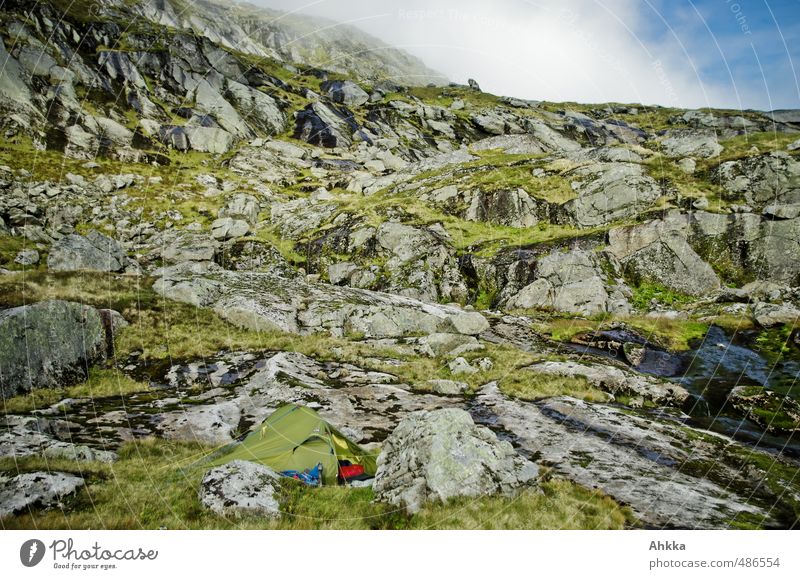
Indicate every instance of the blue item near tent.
{"type": "Point", "coordinates": [310, 477]}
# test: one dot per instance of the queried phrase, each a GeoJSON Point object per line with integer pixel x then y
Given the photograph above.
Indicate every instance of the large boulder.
{"type": "Point", "coordinates": [682, 143]}
{"type": "Point", "coordinates": [440, 454]}
{"type": "Point", "coordinates": [94, 251]}
{"type": "Point", "coordinates": [345, 92]}
{"type": "Point", "coordinates": [658, 251]}
{"type": "Point", "coordinates": [768, 315]}
{"type": "Point", "coordinates": [203, 139]}
{"type": "Point", "coordinates": [327, 125]}
{"type": "Point", "coordinates": [241, 488]}
{"type": "Point", "coordinates": [757, 246]}
{"type": "Point", "coordinates": [761, 180]}
{"type": "Point", "coordinates": [189, 247]}
{"type": "Point", "coordinates": [616, 381]}
{"type": "Point", "coordinates": [569, 282]}
{"type": "Point", "coordinates": [51, 344]}
{"type": "Point", "coordinates": [35, 489]}
{"type": "Point", "coordinates": [608, 192]}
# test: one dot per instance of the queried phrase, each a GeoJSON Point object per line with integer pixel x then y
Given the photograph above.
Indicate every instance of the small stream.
{"type": "Point", "coordinates": [709, 371]}
{"type": "Point", "coordinates": [720, 363]}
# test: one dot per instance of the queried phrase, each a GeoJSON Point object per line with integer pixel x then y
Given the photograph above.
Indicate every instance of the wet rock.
{"type": "Point", "coordinates": [30, 490]}
{"type": "Point", "coordinates": [660, 468]}
{"type": "Point", "coordinates": [94, 251]}
{"type": "Point", "coordinates": [51, 344]}
{"type": "Point", "coordinates": [241, 488]}
{"type": "Point", "coordinates": [434, 456]}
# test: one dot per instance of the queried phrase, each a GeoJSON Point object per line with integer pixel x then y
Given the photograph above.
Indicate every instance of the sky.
{"type": "Point", "coordinates": [736, 54]}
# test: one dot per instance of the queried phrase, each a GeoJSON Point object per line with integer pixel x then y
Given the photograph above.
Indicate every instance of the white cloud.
{"type": "Point", "coordinates": [557, 50]}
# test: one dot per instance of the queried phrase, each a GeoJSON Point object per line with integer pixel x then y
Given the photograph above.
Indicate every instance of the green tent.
{"type": "Point", "coordinates": [297, 438]}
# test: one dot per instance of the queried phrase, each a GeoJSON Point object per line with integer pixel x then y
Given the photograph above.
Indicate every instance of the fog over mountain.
{"type": "Point", "coordinates": [678, 54]}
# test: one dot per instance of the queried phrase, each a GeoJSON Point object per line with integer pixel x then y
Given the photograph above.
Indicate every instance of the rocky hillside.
{"type": "Point", "coordinates": [208, 212]}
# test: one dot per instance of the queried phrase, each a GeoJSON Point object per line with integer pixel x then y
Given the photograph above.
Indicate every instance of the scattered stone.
{"type": "Point", "coordinates": [241, 488]}
{"type": "Point", "coordinates": [30, 490]}
{"type": "Point", "coordinates": [460, 366]}
{"type": "Point", "coordinates": [27, 257]}
{"type": "Point", "coordinates": [769, 315]}
{"type": "Point", "coordinates": [447, 387]}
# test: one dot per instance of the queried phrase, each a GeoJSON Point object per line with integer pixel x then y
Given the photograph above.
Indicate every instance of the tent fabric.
{"type": "Point", "coordinates": [296, 438]}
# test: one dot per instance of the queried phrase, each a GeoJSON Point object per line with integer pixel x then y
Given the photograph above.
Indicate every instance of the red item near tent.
{"type": "Point", "coordinates": [350, 471]}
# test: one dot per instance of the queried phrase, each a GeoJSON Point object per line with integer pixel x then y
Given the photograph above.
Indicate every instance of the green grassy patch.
{"type": "Point", "coordinates": [154, 485]}
{"type": "Point", "coordinates": [673, 334]}
{"type": "Point", "coordinates": [645, 292]}
{"type": "Point", "coordinates": [102, 383]}
{"type": "Point", "coordinates": [529, 385]}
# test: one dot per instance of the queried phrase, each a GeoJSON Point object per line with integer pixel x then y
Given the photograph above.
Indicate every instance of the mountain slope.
{"type": "Point", "coordinates": [600, 285]}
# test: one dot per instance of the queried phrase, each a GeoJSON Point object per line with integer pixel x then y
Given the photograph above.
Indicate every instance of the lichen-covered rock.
{"type": "Point", "coordinates": [51, 344]}
{"type": "Point", "coordinates": [345, 92]}
{"type": "Point", "coordinates": [768, 315]}
{"type": "Point", "coordinates": [658, 251]}
{"type": "Point", "coordinates": [265, 302]}
{"type": "Point", "coordinates": [608, 192]}
{"type": "Point", "coordinates": [434, 456]}
{"type": "Point", "coordinates": [761, 180]}
{"type": "Point", "coordinates": [241, 488]}
{"type": "Point", "coordinates": [30, 436]}
{"type": "Point", "coordinates": [35, 489]}
{"type": "Point", "coordinates": [514, 208]}
{"type": "Point", "coordinates": [691, 143]}
{"type": "Point", "coordinates": [94, 251]}
{"type": "Point", "coordinates": [616, 381]}
{"type": "Point", "coordinates": [188, 247]}
{"type": "Point", "coordinates": [568, 282]}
